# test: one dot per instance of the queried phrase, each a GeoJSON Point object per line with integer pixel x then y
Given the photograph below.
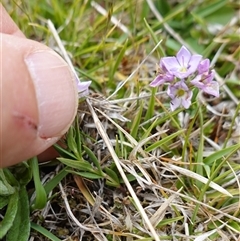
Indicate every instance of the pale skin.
{"type": "Point", "coordinates": [38, 96]}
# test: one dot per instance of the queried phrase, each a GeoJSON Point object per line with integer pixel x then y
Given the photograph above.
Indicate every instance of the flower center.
{"type": "Point", "coordinates": [183, 69]}
{"type": "Point", "coordinates": [180, 92]}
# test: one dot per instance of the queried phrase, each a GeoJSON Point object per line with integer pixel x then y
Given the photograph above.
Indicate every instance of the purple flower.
{"type": "Point", "coordinates": [204, 66]}
{"type": "Point", "coordinates": [180, 95]}
{"type": "Point", "coordinates": [206, 83]}
{"type": "Point", "coordinates": [182, 72]}
{"type": "Point", "coordinates": [162, 77]}
{"type": "Point", "coordinates": [82, 88]}
{"type": "Point", "coordinates": [183, 65]}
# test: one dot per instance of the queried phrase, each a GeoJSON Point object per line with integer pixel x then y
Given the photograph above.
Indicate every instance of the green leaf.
{"type": "Point", "coordinates": [10, 178]}
{"type": "Point", "coordinates": [222, 16]}
{"type": "Point", "coordinates": [112, 178]}
{"type": "Point", "coordinates": [163, 7]}
{"type": "Point", "coordinates": [160, 50]}
{"type": "Point", "coordinates": [4, 190]}
{"type": "Point", "coordinates": [219, 154]}
{"type": "Point", "coordinates": [20, 229]}
{"type": "Point", "coordinates": [24, 173]}
{"type": "Point", "coordinates": [235, 226]}
{"type": "Point", "coordinates": [44, 232]}
{"type": "Point", "coordinates": [118, 60]}
{"type": "Point", "coordinates": [148, 131]}
{"type": "Point", "coordinates": [3, 200]}
{"type": "Point", "coordinates": [78, 139]}
{"type": "Point", "coordinates": [5, 187]}
{"type": "Point", "coordinates": [151, 106]}
{"type": "Point", "coordinates": [130, 177]}
{"type": "Point", "coordinates": [169, 221]}
{"type": "Point", "coordinates": [199, 157]}
{"type": "Point", "coordinates": [207, 170]}
{"type": "Point", "coordinates": [163, 141]}
{"type": "Point", "coordinates": [49, 186]}
{"type": "Point", "coordinates": [64, 153]}
{"type": "Point", "coordinates": [71, 143]}
{"type": "Point", "coordinates": [89, 175]}
{"type": "Point", "coordinates": [10, 215]}
{"type": "Point", "coordinates": [41, 196]}
{"type": "Point", "coordinates": [210, 8]}
{"type": "Point", "coordinates": [93, 158]}
{"type": "Point", "coordinates": [136, 122]}
{"type": "Point", "coordinates": [80, 165]}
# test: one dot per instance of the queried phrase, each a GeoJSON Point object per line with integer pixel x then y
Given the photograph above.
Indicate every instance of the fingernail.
{"type": "Point", "coordinates": [55, 92]}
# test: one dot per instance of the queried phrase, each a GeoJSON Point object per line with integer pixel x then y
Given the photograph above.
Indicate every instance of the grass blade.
{"type": "Point", "coordinates": [219, 154]}
{"type": "Point", "coordinates": [44, 232]}
{"type": "Point", "coordinates": [163, 141]}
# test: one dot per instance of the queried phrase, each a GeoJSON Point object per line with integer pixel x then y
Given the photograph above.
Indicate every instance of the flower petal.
{"type": "Point", "coordinates": [159, 80]}
{"type": "Point", "coordinates": [186, 102]}
{"type": "Point", "coordinates": [171, 91]}
{"type": "Point", "coordinates": [182, 85]}
{"type": "Point", "coordinates": [212, 88]}
{"type": "Point", "coordinates": [194, 63]}
{"type": "Point", "coordinates": [180, 98]}
{"type": "Point", "coordinates": [183, 56]}
{"type": "Point", "coordinates": [175, 103]}
{"type": "Point", "coordinates": [211, 75]}
{"type": "Point", "coordinates": [197, 82]}
{"type": "Point", "coordinates": [204, 66]}
{"type": "Point", "coordinates": [171, 64]}
{"type": "Point", "coordinates": [83, 88]}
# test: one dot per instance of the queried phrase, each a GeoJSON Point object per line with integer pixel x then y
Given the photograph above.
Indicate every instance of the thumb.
{"type": "Point", "coordinates": [38, 98]}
